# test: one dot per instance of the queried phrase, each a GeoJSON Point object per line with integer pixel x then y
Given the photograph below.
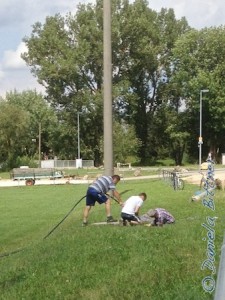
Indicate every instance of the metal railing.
{"type": "Point", "coordinates": [67, 164]}
{"type": "Point", "coordinates": [173, 178]}
{"type": "Point", "coordinates": [72, 164]}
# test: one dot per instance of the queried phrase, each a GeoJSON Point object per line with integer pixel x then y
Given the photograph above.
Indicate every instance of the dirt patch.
{"type": "Point", "coordinates": [196, 178]}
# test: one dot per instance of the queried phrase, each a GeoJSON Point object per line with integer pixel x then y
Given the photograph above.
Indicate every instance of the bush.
{"type": "Point", "coordinates": [17, 162]}
{"type": "Point", "coordinates": [25, 161]}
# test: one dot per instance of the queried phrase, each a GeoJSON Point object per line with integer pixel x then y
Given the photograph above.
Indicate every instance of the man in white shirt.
{"type": "Point", "coordinates": [131, 209]}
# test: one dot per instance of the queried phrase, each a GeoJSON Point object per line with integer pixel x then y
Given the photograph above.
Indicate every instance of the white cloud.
{"type": "Point", "coordinates": [199, 13]}
{"type": "Point", "coordinates": [19, 80]}
{"type": "Point", "coordinates": [16, 20]}
{"type": "Point", "coordinates": [12, 59]}
{"type": "Point", "coordinates": [18, 16]}
{"type": "Point", "coordinates": [27, 12]}
{"type": "Point", "coordinates": [1, 74]}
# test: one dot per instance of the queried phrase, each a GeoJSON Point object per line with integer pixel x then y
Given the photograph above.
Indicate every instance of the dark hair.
{"type": "Point", "coordinates": [116, 177]}
{"type": "Point", "coordinates": [144, 195]}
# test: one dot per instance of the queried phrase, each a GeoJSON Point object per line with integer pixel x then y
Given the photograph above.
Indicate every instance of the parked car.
{"type": "Point", "coordinates": [204, 166]}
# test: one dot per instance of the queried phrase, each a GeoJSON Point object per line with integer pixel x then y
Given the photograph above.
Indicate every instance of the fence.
{"type": "Point", "coordinates": [67, 164]}
{"type": "Point", "coordinates": [173, 178]}
{"type": "Point", "coordinates": [123, 165]}
{"type": "Point", "coordinates": [167, 176]}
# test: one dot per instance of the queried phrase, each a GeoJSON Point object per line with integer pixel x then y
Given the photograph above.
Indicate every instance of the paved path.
{"type": "Point", "coordinates": [191, 177]}
{"type": "Point", "coordinates": [10, 182]}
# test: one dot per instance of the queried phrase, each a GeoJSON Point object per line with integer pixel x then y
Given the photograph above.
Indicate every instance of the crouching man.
{"type": "Point", "coordinates": [130, 210]}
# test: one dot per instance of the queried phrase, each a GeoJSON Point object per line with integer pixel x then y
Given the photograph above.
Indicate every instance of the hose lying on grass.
{"type": "Point", "coordinates": [57, 225]}
{"type": "Point", "coordinates": [50, 232]}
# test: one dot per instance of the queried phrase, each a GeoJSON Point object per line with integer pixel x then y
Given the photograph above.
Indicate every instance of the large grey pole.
{"type": "Point", "coordinates": [220, 285]}
{"type": "Point", "coordinates": [108, 132]}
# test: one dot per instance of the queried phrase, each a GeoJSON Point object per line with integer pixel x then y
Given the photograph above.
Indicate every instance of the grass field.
{"type": "Point", "coordinates": [104, 262]}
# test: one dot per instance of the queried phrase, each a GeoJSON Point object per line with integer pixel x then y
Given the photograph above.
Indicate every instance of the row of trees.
{"type": "Point", "coordinates": [160, 65]}
{"type": "Point", "coordinates": [21, 115]}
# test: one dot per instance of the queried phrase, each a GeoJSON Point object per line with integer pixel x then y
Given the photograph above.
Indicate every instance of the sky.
{"type": "Point", "coordinates": [18, 16]}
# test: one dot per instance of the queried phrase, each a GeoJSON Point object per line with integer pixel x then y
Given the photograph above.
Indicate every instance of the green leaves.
{"type": "Point", "coordinates": [14, 126]}
{"type": "Point", "coordinates": [198, 57]}
{"type": "Point", "coordinates": [20, 115]}
{"type": "Point", "coordinates": [160, 64]}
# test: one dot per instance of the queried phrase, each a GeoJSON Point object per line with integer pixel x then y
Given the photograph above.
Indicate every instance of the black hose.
{"type": "Point", "coordinates": [22, 249]}
{"type": "Point", "coordinates": [13, 252]}
{"type": "Point", "coordinates": [53, 229]}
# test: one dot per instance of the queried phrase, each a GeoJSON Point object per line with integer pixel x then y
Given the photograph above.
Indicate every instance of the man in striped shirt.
{"type": "Point", "coordinates": [97, 193]}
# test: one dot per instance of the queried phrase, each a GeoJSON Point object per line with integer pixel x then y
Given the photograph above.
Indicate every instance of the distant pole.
{"type": "Point", "coordinates": [200, 140]}
{"type": "Point", "coordinates": [78, 135]}
{"type": "Point", "coordinates": [39, 146]}
{"type": "Point", "coordinates": [107, 49]}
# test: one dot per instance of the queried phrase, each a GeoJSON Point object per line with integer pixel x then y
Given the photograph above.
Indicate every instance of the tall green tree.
{"type": "Point", "coordinates": [198, 61]}
{"type": "Point", "coordinates": [66, 55]}
{"type": "Point", "coordinates": [39, 112]}
{"type": "Point", "coordinates": [14, 127]}
{"type": "Point", "coordinates": [145, 41]}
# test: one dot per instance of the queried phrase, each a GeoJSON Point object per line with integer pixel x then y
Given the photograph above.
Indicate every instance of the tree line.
{"type": "Point", "coordinates": [160, 65]}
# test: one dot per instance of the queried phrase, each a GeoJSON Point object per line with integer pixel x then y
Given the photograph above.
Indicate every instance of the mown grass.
{"type": "Point", "coordinates": [103, 262]}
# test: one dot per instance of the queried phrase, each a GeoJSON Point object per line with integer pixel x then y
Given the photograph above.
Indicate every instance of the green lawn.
{"type": "Point", "coordinates": [104, 262]}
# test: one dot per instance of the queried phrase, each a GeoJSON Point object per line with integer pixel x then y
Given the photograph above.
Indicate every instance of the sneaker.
{"type": "Point", "coordinates": [110, 219]}
{"type": "Point", "coordinates": [84, 224]}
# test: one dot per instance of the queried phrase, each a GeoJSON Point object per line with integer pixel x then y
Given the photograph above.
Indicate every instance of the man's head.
{"type": "Point", "coordinates": [143, 196]}
{"type": "Point", "coordinates": [116, 178]}
{"type": "Point", "coordinates": [152, 213]}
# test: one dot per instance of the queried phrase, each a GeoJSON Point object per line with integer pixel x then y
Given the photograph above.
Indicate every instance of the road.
{"type": "Point", "coordinates": [189, 176]}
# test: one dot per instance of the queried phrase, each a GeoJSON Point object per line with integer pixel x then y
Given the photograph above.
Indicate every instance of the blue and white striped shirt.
{"type": "Point", "coordinates": [103, 184]}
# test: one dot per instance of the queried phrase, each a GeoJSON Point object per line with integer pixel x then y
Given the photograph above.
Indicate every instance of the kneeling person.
{"type": "Point", "coordinates": [160, 217]}
{"type": "Point", "coordinates": [131, 209]}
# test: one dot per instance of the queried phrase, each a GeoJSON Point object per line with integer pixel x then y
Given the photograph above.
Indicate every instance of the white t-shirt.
{"type": "Point", "coordinates": [132, 204]}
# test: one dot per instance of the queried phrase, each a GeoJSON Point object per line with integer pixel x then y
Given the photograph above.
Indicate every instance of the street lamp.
{"type": "Point", "coordinates": [78, 135]}
{"type": "Point", "coordinates": [200, 141]}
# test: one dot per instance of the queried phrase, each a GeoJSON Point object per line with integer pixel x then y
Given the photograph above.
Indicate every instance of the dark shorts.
{"type": "Point", "coordinates": [93, 196]}
{"type": "Point", "coordinates": [128, 217]}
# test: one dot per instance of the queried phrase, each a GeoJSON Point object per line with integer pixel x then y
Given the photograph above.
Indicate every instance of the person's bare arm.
{"type": "Point", "coordinates": [137, 209]}
{"type": "Point", "coordinates": [117, 196]}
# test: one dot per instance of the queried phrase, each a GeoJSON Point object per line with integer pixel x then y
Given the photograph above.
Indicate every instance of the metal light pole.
{"type": "Point", "coordinates": [78, 135]}
{"type": "Point", "coordinates": [200, 141]}
{"type": "Point", "coordinates": [39, 146]}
